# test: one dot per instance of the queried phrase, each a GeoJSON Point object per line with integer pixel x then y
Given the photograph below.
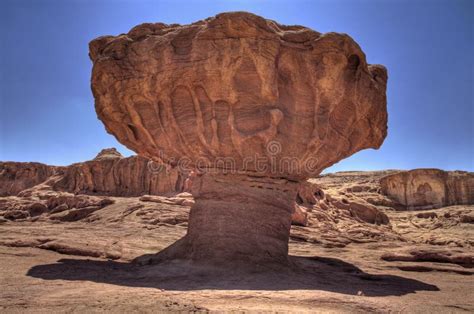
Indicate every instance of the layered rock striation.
{"type": "Point", "coordinates": [112, 174]}
{"type": "Point", "coordinates": [429, 188]}
{"type": "Point", "coordinates": [254, 107]}
{"type": "Point", "coordinates": [18, 176]}
{"type": "Point", "coordinates": [235, 86]}
{"type": "Point", "coordinates": [108, 174]}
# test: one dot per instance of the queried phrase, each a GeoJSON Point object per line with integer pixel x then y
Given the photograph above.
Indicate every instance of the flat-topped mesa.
{"type": "Point", "coordinates": [254, 105]}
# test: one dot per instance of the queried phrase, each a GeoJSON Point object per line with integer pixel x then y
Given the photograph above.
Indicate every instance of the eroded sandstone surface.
{"type": "Point", "coordinates": [228, 85]}
{"type": "Point", "coordinates": [18, 176]}
{"type": "Point", "coordinates": [429, 188]}
{"type": "Point", "coordinates": [35, 188]}
{"type": "Point", "coordinates": [77, 253]}
{"type": "Point", "coordinates": [109, 173]}
{"type": "Point", "coordinates": [112, 174]}
{"type": "Point", "coordinates": [253, 106]}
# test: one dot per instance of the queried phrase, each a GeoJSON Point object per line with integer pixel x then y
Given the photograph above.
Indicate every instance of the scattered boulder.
{"type": "Point", "coordinates": [76, 201]}
{"type": "Point", "coordinates": [427, 215]}
{"type": "Point", "coordinates": [51, 204]}
{"type": "Point", "coordinates": [74, 214]}
{"type": "Point", "coordinates": [437, 255]}
{"type": "Point", "coordinates": [368, 213]}
{"type": "Point", "coordinates": [309, 194]}
{"type": "Point", "coordinates": [180, 199]}
{"type": "Point", "coordinates": [469, 219]}
{"type": "Point", "coordinates": [299, 216]}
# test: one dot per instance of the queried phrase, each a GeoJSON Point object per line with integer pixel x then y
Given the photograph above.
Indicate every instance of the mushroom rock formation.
{"type": "Point", "coordinates": [254, 106]}
{"type": "Point", "coordinates": [429, 188]}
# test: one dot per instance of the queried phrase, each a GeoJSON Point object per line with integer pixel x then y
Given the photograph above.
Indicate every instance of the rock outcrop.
{"type": "Point", "coordinates": [253, 106]}
{"type": "Point", "coordinates": [107, 174]}
{"type": "Point", "coordinates": [18, 176]}
{"type": "Point", "coordinates": [62, 206]}
{"type": "Point", "coordinates": [311, 196]}
{"type": "Point", "coordinates": [108, 153]}
{"type": "Point", "coordinates": [112, 174]}
{"type": "Point", "coordinates": [429, 188]}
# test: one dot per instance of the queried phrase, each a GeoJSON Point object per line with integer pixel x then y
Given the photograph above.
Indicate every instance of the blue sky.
{"type": "Point", "coordinates": [47, 112]}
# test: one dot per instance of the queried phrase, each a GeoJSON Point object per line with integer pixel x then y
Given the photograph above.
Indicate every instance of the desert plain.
{"type": "Point", "coordinates": [81, 250]}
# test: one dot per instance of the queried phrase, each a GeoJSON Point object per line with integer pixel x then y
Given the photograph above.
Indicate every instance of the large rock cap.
{"type": "Point", "coordinates": [239, 91]}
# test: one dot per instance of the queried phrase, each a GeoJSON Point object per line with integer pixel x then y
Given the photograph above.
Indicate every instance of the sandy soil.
{"type": "Point", "coordinates": [417, 264]}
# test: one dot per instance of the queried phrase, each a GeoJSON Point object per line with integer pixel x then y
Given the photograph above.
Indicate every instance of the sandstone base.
{"type": "Point", "coordinates": [236, 218]}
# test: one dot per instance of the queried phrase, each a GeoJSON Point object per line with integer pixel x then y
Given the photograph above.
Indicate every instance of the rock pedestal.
{"type": "Point", "coordinates": [237, 216]}
{"type": "Point", "coordinates": [268, 104]}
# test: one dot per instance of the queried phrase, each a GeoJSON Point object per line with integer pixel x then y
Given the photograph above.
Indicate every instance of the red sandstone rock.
{"type": "Point", "coordinates": [108, 153]}
{"type": "Point", "coordinates": [299, 217]}
{"type": "Point", "coordinates": [309, 194]}
{"type": "Point", "coordinates": [441, 255]}
{"type": "Point", "coordinates": [18, 176]}
{"type": "Point", "coordinates": [112, 174]}
{"type": "Point", "coordinates": [368, 213]}
{"type": "Point", "coordinates": [429, 188]}
{"type": "Point", "coordinates": [255, 106]}
{"type": "Point", "coordinates": [232, 85]}
{"type": "Point", "coordinates": [63, 206]}
{"type": "Point", "coordinates": [107, 174]}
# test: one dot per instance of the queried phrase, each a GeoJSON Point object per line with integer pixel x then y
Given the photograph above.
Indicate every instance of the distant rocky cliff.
{"type": "Point", "coordinates": [429, 188]}
{"type": "Point", "coordinates": [108, 174]}
{"type": "Point", "coordinates": [18, 176]}
{"type": "Point", "coordinates": [111, 174]}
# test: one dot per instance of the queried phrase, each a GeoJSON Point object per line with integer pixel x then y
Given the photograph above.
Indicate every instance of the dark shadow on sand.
{"type": "Point", "coordinates": [310, 273]}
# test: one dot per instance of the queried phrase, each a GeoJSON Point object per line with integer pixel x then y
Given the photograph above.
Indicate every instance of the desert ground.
{"type": "Point", "coordinates": [95, 258]}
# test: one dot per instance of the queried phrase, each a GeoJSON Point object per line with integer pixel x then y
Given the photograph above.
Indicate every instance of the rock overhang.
{"type": "Point", "coordinates": [237, 86]}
